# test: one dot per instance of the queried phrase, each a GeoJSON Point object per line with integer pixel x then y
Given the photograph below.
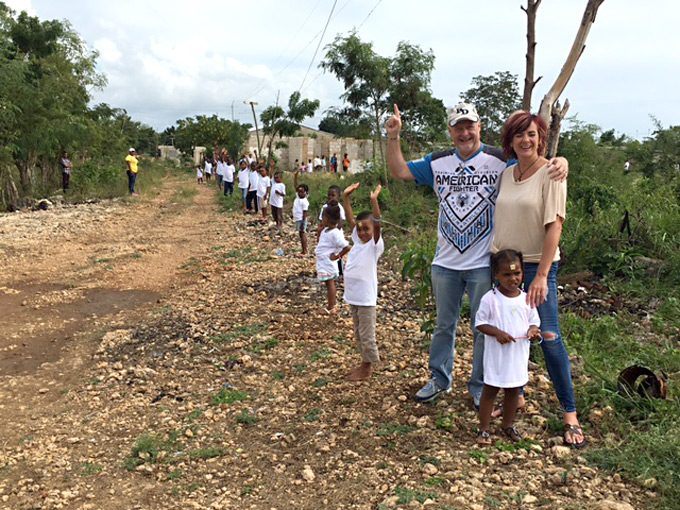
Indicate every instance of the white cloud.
{"type": "Point", "coordinates": [108, 51]}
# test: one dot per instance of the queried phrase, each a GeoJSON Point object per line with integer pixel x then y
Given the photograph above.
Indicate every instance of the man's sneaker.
{"type": "Point", "coordinates": [431, 391]}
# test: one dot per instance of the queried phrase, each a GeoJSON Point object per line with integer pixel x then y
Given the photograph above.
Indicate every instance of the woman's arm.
{"type": "Point", "coordinates": [538, 290]}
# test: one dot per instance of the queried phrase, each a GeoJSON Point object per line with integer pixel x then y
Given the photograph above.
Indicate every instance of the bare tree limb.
{"type": "Point", "coordinates": [570, 64]}
{"type": "Point", "coordinates": [556, 117]}
{"type": "Point", "coordinates": [529, 83]}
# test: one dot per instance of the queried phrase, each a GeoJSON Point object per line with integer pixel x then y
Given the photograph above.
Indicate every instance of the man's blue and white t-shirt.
{"type": "Point", "coordinates": [467, 190]}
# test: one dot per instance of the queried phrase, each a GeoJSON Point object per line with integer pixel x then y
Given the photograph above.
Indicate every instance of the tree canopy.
{"type": "Point", "coordinates": [210, 132]}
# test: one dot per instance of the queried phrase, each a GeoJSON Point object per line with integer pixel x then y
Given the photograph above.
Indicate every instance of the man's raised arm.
{"type": "Point", "coordinates": [395, 159]}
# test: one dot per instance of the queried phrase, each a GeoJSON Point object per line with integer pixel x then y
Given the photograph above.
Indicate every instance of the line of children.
{"type": "Point", "coordinates": [300, 212]}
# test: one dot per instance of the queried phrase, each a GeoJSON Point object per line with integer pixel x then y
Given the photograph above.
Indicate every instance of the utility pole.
{"type": "Point", "coordinates": [257, 131]}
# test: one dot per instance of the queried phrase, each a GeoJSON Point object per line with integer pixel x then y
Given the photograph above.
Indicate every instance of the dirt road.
{"type": "Point", "coordinates": [160, 353]}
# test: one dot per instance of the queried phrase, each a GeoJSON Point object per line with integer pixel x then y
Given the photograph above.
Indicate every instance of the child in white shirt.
{"type": "Point", "coordinates": [253, 180]}
{"type": "Point", "coordinates": [243, 181]}
{"type": "Point", "coordinates": [263, 186]}
{"type": "Point", "coordinates": [330, 248]}
{"type": "Point", "coordinates": [300, 210]}
{"type": "Point", "coordinates": [276, 199]}
{"type": "Point", "coordinates": [229, 171]}
{"type": "Point", "coordinates": [508, 323]}
{"type": "Point", "coordinates": [361, 280]}
{"type": "Point", "coordinates": [199, 175]}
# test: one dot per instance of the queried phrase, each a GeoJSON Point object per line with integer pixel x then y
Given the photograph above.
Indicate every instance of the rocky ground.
{"type": "Point", "coordinates": [156, 354]}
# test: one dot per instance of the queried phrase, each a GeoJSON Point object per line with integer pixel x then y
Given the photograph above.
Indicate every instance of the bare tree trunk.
{"type": "Point", "coordinates": [529, 82]}
{"type": "Point", "coordinates": [557, 116]}
{"type": "Point", "coordinates": [570, 64]}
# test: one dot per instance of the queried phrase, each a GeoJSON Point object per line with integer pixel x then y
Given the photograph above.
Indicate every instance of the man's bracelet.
{"type": "Point", "coordinates": [393, 138]}
{"type": "Point", "coordinates": [377, 220]}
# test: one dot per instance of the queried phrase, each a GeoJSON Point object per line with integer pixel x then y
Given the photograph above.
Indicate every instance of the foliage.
{"type": "Point", "coordinates": [495, 97]}
{"type": "Point", "coordinates": [374, 83]}
{"type": "Point", "coordinates": [277, 123]}
{"type": "Point", "coordinates": [47, 76]}
{"type": "Point", "coordinates": [337, 121]}
{"type": "Point", "coordinates": [210, 132]}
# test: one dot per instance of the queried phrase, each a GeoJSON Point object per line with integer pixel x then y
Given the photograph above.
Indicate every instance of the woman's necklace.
{"type": "Point", "coordinates": [519, 169]}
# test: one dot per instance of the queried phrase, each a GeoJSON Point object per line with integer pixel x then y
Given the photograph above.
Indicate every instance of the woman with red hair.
{"type": "Point", "coordinates": [530, 211]}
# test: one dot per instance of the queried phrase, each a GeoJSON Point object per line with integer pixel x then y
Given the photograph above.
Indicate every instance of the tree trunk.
{"type": "Point", "coordinates": [529, 83]}
{"type": "Point", "coordinates": [557, 116]}
{"type": "Point", "coordinates": [570, 64]}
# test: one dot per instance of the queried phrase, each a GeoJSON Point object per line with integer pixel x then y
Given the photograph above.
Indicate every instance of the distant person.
{"type": "Point", "coordinates": [334, 163]}
{"type": "Point", "coordinates": [278, 193]}
{"type": "Point", "coordinates": [253, 181]}
{"type": "Point", "coordinates": [199, 174]}
{"type": "Point", "coordinates": [229, 170]}
{"type": "Point", "coordinates": [66, 166]}
{"type": "Point", "coordinates": [264, 185]}
{"type": "Point", "coordinates": [345, 163]}
{"type": "Point", "coordinates": [208, 165]}
{"type": "Point", "coordinates": [300, 212]}
{"type": "Point", "coordinates": [132, 166]}
{"type": "Point", "coordinates": [626, 167]}
{"type": "Point", "coordinates": [244, 182]}
{"type": "Point", "coordinates": [219, 170]}
{"type": "Point", "coordinates": [324, 164]}
{"type": "Point", "coordinates": [310, 166]}
{"type": "Point", "coordinates": [317, 164]}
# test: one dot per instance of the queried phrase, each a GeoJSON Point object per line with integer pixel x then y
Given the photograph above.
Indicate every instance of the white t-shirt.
{"type": "Point", "coordinates": [275, 199]}
{"type": "Point", "coordinates": [208, 167]}
{"type": "Point", "coordinates": [466, 189]}
{"type": "Point", "coordinates": [300, 205]}
{"type": "Point", "coordinates": [229, 173]}
{"type": "Point", "coordinates": [253, 179]}
{"type": "Point", "coordinates": [310, 168]}
{"type": "Point", "coordinates": [506, 365]}
{"type": "Point", "coordinates": [330, 242]}
{"type": "Point", "coordinates": [361, 271]}
{"type": "Point", "coordinates": [220, 167]}
{"type": "Point", "coordinates": [243, 178]}
{"type": "Point", "coordinates": [262, 185]}
{"type": "Point", "coordinates": [342, 212]}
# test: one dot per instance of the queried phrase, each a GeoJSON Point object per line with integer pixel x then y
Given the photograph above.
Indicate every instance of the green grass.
{"type": "Point", "coordinates": [228, 397]}
{"type": "Point", "coordinates": [393, 429]}
{"type": "Point", "coordinates": [147, 448]}
{"type": "Point", "coordinates": [246, 418]}
{"type": "Point", "coordinates": [206, 453]}
{"type": "Point", "coordinates": [184, 195]}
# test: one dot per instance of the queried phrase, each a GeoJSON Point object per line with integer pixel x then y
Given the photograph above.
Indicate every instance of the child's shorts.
{"type": "Point", "coordinates": [261, 202]}
{"type": "Point", "coordinates": [364, 332]}
{"type": "Point", "coordinates": [324, 277]}
{"type": "Point", "coordinates": [301, 226]}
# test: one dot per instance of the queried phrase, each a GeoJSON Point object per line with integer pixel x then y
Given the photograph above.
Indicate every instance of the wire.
{"type": "Point", "coordinates": [328, 21]}
{"type": "Point", "coordinates": [369, 14]}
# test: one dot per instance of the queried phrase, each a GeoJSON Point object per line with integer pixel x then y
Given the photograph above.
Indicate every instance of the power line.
{"type": "Point", "coordinates": [328, 21]}
{"type": "Point", "coordinates": [369, 14]}
{"type": "Point", "coordinates": [300, 52]}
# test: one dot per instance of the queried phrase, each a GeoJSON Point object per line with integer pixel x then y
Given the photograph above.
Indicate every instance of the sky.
{"type": "Point", "coordinates": [172, 59]}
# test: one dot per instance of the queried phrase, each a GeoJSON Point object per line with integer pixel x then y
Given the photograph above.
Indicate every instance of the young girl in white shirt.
{"type": "Point", "coordinates": [331, 247]}
{"type": "Point", "coordinates": [361, 280]}
{"type": "Point", "coordinates": [508, 324]}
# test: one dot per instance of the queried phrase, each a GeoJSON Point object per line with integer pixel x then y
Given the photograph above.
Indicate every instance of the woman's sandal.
{"type": "Point", "coordinates": [571, 431]}
{"type": "Point", "coordinates": [484, 437]}
{"type": "Point", "coordinates": [513, 434]}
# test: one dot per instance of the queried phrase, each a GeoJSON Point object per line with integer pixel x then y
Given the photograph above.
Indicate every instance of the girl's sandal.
{"type": "Point", "coordinates": [513, 434]}
{"type": "Point", "coordinates": [484, 437]}
{"type": "Point", "coordinates": [328, 311]}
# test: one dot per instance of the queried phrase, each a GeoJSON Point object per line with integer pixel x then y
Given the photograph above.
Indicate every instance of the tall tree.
{"type": "Point", "coordinates": [495, 98]}
{"type": "Point", "coordinates": [277, 123]}
{"type": "Point", "coordinates": [210, 132]}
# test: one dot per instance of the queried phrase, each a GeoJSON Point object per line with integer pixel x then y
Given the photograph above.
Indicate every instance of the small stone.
{"type": "Point", "coordinates": [529, 499]}
{"type": "Point", "coordinates": [560, 451]}
{"type": "Point", "coordinates": [430, 469]}
{"type": "Point", "coordinates": [308, 474]}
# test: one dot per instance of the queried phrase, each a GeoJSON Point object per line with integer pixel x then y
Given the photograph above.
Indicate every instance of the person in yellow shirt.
{"type": "Point", "coordinates": [132, 162]}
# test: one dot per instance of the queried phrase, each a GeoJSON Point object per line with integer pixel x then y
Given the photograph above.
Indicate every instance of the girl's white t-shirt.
{"type": "Point", "coordinates": [330, 242]}
{"type": "Point", "coordinates": [229, 173]}
{"type": "Point", "coordinates": [262, 185]}
{"type": "Point", "coordinates": [361, 271]}
{"type": "Point", "coordinates": [275, 199]}
{"type": "Point", "coordinates": [220, 167]}
{"type": "Point", "coordinates": [208, 167]}
{"type": "Point", "coordinates": [300, 205]}
{"type": "Point", "coordinates": [343, 217]}
{"type": "Point", "coordinates": [506, 365]}
{"type": "Point", "coordinates": [243, 181]}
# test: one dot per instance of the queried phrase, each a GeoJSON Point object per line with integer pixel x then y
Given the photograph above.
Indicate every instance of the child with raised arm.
{"type": "Point", "coordinates": [300, 211]}
{"type": "Point", "coordinates": [331, 247]}
{"type": "Point", "coordinates": [508, 324]}
{"type": "Point", "coordinates": [361, 280]}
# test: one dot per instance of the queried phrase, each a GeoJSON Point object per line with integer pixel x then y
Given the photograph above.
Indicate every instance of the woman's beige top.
{"type": "Point", "coordinates": [523, 209]}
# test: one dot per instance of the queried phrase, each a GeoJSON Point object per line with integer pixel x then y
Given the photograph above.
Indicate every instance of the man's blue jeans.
{"type": "Point", "coordinates": [556, 356]}
{"type": "Point", "coordinates": [132, 178]}
{"type": "Point", "coordinates": [449, 287]}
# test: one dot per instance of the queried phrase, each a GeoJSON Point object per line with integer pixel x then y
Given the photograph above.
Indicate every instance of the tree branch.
{"type": "Point", "coordinates": [529, 83]}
